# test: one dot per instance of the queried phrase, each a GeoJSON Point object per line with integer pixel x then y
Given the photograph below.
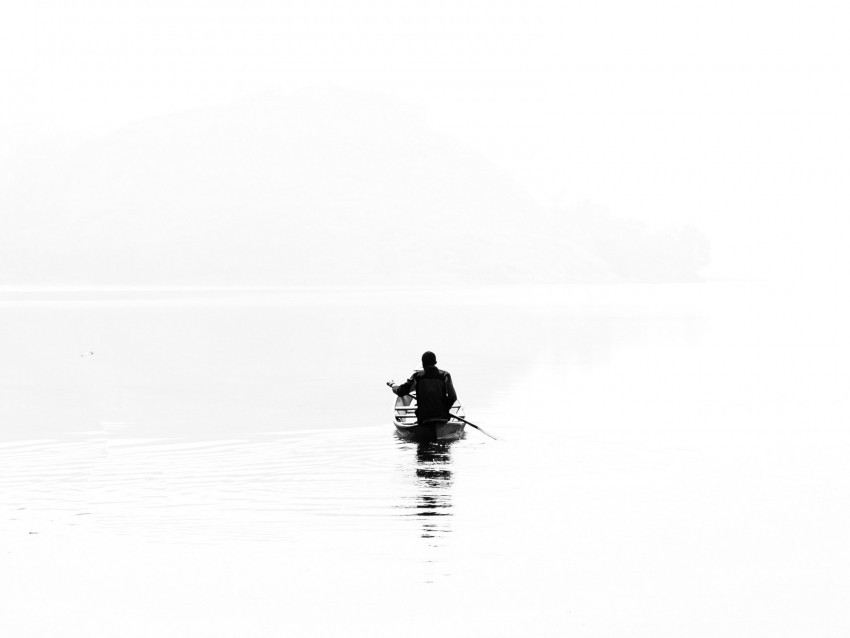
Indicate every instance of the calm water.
{"type": "Point", "coordinates": [219, 463]}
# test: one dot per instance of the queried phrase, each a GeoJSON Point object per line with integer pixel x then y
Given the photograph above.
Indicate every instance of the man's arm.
{"type": "Point", "coordinates": [451, 395]}
{"type": "Point", "coordinates": [406, 387]}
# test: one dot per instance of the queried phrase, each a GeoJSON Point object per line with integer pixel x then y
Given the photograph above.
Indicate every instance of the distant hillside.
{"type": "Point", "coordinates": [312, 189]}
{"type": "Point", "coordinates": [632, 251]}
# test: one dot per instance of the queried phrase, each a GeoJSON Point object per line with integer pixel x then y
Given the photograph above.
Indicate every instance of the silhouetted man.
{"type": "Point", "coordinates": [435, 393]}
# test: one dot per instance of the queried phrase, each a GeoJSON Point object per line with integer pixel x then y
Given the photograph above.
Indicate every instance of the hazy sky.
{"type": "Point", "coordinates": [732, 116]}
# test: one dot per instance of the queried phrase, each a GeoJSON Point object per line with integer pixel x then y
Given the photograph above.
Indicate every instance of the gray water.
{"type": "Point", "coordinates": [222, 462]}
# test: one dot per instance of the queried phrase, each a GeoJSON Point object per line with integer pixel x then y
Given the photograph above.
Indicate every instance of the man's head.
{"type": "Point", "coordinates": [429, 359]}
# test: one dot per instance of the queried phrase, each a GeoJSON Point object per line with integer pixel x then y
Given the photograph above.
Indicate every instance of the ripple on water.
{"type": "Point", "coordinates": [271, 487]}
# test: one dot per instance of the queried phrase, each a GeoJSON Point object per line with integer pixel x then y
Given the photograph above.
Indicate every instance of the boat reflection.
{"type": "Point", "coordinates": [433, 480]}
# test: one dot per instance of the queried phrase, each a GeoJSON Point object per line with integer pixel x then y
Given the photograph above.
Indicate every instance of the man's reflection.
{"type": "Point", "coordinates": [433, 480]}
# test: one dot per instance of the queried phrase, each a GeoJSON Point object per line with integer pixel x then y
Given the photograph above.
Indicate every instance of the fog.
{"type": "Point", "coordinates": [730, 120]}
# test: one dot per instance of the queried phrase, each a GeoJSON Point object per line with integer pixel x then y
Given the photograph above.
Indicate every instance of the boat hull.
{"type": "Point", "coordinates": [443, 431]}
{"type": "Point", "coordinates": [404, 419]}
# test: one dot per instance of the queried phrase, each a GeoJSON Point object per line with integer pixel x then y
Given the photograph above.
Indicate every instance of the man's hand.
{"type": "Point", "coordinates": [391, 383]}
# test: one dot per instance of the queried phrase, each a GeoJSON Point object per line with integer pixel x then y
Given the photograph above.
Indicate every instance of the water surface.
{"type": "Point", "coordinates": [221, 463]}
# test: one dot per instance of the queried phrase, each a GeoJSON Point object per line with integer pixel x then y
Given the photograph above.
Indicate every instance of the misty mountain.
{"type": "Point", "coordinates": [311, 189]}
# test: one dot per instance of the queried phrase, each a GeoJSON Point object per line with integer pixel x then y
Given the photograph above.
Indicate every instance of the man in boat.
{"type": "Point", "coordinates": [435, 393]}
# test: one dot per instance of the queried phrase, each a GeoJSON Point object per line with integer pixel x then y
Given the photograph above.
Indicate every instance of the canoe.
{"type": "Point", "coordinates": [404, 419]}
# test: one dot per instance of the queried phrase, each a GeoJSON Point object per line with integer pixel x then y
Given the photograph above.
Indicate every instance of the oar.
{"type": "Point", "coordinates": [460, 418]}
{"type": "Point", "coordinates": [455, 416]}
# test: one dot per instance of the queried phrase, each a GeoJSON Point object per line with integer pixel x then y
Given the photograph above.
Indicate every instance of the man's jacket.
{"type": "Point", "coordinates": [435, 393]}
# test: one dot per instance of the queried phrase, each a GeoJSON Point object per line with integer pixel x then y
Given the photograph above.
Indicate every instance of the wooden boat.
{"type": "Point", "coordinates": [404, 419]}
